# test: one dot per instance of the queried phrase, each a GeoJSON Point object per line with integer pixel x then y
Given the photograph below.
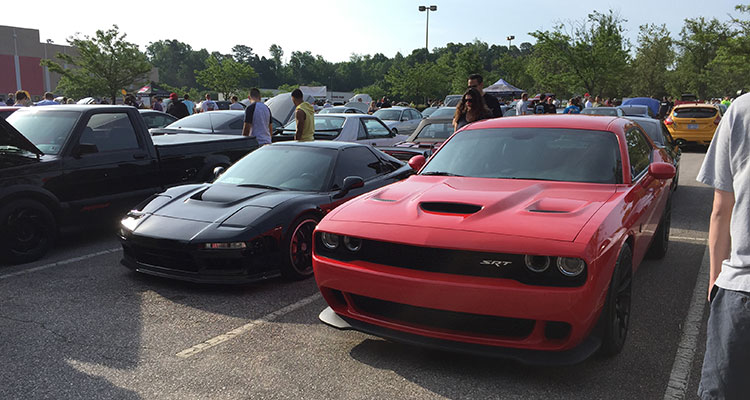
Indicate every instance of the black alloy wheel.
{"type": "Point", "coordinates": [27, 231]}
{"type": "Point", "coordinates": [616, 312]}
{"type": "Point", "coordinates": [299, 244]}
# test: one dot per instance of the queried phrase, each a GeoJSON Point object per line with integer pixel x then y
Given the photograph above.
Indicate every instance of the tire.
{"type": "Point", "coordinates": [297, 262]}
{"type": "Point", "coordinates": [616, 313]}
{"type": "Point", "coordinates": [27, 231]}
{"type": "Point", "coordinates": [660, 243]}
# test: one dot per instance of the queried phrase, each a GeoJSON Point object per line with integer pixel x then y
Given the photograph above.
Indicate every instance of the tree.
{"type": "Point", "coordinates": [654, 58]}
{"type": "Point", "coordinates": [177, 62]}
{"type": "Point", "coordinates": [729, 71]}
{"type": "Point", "coordinates": [105, 65]}
{"type": "Point", "coordinates": [699, 44]}
{"type": "Point", "coordinates": [594, 57]}
{"type": "Point", "coordinates": [224, 75]}
{"type": "Point", "coordinates": [276, 54]}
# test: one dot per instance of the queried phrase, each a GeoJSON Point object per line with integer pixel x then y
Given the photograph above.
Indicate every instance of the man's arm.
{"type": "Point", "coordinates": [246, 128]}
{"type": "Point", "coordinates": [300, 117]}
{"type": "Point", "coordinates": [719, 239]}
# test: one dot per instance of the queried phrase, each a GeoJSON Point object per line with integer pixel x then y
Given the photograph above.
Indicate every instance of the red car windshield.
{"type": "Point", "coordinates": [568, 155]}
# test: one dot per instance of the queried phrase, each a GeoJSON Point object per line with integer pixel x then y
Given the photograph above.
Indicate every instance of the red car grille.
{"type": "Point", "coordinates": [457, 262]}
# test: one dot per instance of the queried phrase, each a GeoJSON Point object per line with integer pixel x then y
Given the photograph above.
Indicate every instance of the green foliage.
{"type": "Point", "coordinates": [224, 75]}
{"type": "Point", "coordinates": [375, 91]}
{"type": "Point", "coordinates": [105, 65]}
{"type": "Point", "coordinates": [177, 62]}
{"type": "Point", "coordinates": [594, 57]}
{"type": "Point", "coordinates": [285, 88]}
{"type": "Point", "coordinates": [654, 58]}
{"type": "Point", "coordinates": [699, 44]}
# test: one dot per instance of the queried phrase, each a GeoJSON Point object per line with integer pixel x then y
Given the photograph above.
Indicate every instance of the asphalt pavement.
{"type": "Point", "coordinates": [79, 325]}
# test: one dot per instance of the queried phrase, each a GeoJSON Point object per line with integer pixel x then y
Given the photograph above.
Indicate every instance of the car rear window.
{"type": "Point", "coordinates": [324, 124]}
{"type": "Point", "coordinates": [695, 112]}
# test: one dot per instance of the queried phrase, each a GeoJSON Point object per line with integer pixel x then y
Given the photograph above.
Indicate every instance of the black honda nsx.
{"type": "Point", "coordinates": [256, 220]}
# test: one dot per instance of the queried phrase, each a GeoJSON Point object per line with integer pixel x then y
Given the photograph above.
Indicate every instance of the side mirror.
{"type": "Point", "coordinates": [350, 182]}
{"type": "Point", "coordinates": [662, 170]}
{"type": "Point", "coordinates": [218, 171]}
{"type": "Point", "coordinates": [86, 148]}
{"type": "Point", "coordinates": [417, 162]}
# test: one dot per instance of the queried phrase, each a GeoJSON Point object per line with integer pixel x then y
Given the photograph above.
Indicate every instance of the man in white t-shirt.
{"type": "Point", "coordinates": [208, 104]}
{"type": "Point", "coordinates": [257, 119]}
{"type": "Point", "coordinates": [522, 107]}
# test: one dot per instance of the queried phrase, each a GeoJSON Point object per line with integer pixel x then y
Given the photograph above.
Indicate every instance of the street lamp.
{"type": "Point", "coordinates": [427, 27]}
{"type": "Point", "coordinates": [510, 38]}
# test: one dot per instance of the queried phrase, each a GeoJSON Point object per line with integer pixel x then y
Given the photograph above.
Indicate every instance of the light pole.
{"type": "Point", "coordinates": [427, 27]}
{"type": "Point", "coordinates": [510, 39]}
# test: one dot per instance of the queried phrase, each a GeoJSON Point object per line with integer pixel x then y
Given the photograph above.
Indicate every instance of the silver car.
{"type": "Point", "coordinates": [357, 128]}
{"type": "Point", "coordinates": [400, 119]}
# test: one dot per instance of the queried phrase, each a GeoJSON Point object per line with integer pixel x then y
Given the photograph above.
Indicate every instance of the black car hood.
{"type": "Point", "coordinates": [216, 203]}
{"type": "Point", "coordinates": [10, 136]}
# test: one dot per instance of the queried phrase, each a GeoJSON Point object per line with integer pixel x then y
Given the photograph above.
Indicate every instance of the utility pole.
{"type": "Point", "coordinates": [427, 27]}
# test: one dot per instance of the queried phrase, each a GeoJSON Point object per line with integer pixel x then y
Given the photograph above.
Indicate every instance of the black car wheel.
{"type": "Point", "coordinates": [616, 313]}
{"type": "Point", "coordinates": [298, 248]}
{"type": "Point", "coordinates": [27, 231]}
{"type": "Point", "coordinates": [660, 244]}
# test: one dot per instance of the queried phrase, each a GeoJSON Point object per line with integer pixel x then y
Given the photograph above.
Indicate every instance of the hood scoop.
{"type": "Point", "coordinates": [449, 208]}
{"type": "Point", "coordinates": [226, 194]}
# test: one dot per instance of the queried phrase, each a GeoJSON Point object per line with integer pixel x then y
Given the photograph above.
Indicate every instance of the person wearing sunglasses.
{"type": "Point", "coordinates": [471, 109]}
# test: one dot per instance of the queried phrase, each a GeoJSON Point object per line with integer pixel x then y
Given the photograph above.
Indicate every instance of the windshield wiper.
{"type": "Point", "coordinates": [260, 186]}
{"type": "Point", "coordinates": [439, 173]}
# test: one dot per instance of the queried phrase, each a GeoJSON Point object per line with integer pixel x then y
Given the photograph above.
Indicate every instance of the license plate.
{"type": "Point", "coordinates": [692, 126]}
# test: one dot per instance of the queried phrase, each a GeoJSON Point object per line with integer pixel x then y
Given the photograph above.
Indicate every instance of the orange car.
{"type": "Point", "coordinates": [693, 123]}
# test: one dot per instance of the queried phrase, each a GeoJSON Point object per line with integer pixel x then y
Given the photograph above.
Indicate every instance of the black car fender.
{"type": "Point", "coordinates": [41, 195]}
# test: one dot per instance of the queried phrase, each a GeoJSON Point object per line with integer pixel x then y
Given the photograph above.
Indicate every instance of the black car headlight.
{"type": "Point", "coordinates": [570, 266]}
{"type": "Point", "coordinates": [352, 244]}
{"type": "Point", "coordinates": [329, 240]}
{"type": "Point", "coordinates": [131, 220]}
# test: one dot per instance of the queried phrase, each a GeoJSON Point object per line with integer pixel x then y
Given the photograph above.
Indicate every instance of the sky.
{"type": "Point", "coordinates": [336, 29]}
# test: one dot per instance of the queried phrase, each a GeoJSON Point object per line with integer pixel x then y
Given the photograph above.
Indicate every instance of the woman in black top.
{"type": "Point", "coordinates": [470, 109]}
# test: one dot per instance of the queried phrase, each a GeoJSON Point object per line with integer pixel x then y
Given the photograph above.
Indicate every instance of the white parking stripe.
{"type": "Point", "coordinates": [59, 263]}
{"type": "Point", "coordinates": [247, 327]}
{"type": "Point", "coordinates": [688, 239]}
{"type": "Point", "coordinates": [679, 379]}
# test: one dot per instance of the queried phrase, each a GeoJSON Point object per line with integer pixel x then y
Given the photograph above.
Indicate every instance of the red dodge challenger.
{"type": "Point", "coordinates": [518, 238]}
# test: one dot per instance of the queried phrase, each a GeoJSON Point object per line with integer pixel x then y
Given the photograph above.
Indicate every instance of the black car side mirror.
{"type": "Point", "coordinates": [86, 148]}
{"type": "Point", "coordinates": [350, 182]}
{"type": "Point", "coordinates": [218, 171]}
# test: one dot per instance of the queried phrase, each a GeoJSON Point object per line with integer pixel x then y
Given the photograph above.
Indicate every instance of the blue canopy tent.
{"type": "Point", "coordinates": [652, 104]}
{"type": "Point", "coordinates": [503, 88]}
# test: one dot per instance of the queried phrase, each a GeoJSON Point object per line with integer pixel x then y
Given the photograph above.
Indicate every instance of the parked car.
{"type": "Point", "coordinates": [5, 111]}
{"type": "Point", "coordinates": [659, 134]}
{"type": "Point", "coordinates": [225, 122]}
{"type": "Point", "coordinates": [256, 220]}
{"type": "Point", "coordinates": [608, 111]}
{"type": "Point", "coordinates": [518, 238]}
{"type": "Point", "coordinates": [427, 111]}
{"type": "Point", "coordinates": [443, 112]}
{"type": "Point", "coordinates": [428, 136]}
{"type": "Point", "coordinates": [452, 100]}
{"type": "Point", "coordinates": [652, 104]}
{"type": "Point", "coordinates": [341, 110]}
{"type": "Point", "coordinates": [637, 111]}
{"type": "Point", "coordinates": [79, 164]}
{"type": "Point", "coordinates": [399, 119]}
{"type": "Point", "coordinates": [693, 123]}
{"type": "Point", "coordinates": [356, 128]}
{"type": "Point", "coordinates": [156, 119]}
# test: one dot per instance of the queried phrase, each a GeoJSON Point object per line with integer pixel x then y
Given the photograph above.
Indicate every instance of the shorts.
{"type": "Point", "coordinates": [726, 365]}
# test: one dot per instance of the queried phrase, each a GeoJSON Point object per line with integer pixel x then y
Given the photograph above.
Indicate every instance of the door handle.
{"type": "Point", "coordinates": [139, 156]}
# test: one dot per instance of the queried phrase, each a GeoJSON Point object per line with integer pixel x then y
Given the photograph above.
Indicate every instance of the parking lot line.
{"type": "Point", "coordinates": [679, 379]}
{"type": "Point", "coordinates": [247, 327]}
{"type": "Point", "coordinates": [59, 263]}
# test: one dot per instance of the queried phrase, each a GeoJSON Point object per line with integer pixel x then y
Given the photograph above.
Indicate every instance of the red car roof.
{"type": "Point", "coordinates": [569, 121]}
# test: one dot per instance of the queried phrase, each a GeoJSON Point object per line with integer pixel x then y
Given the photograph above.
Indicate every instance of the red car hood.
{"type": "Point", "coordinates": [539, 209]}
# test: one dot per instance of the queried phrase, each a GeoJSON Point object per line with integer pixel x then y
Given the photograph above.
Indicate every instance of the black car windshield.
{"type": "Point", "coordinates": [388, 115]}
{"type": "Point", "coordinates": [324, 125]}
{"type": "Point", "coordinates": [436, 131]}
{"type": "Point", "coordinates": [443, 112]}
{"type": "Point", "coordinates": [283, 166]}
{"type": "Point", "coordinates": [570, 155]}
{"type": "Point", "coordinates": [47, 130]}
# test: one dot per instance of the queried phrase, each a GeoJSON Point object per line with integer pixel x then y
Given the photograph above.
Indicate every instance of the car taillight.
{"type": "Point", "coordinates": [668, 121]}
{"type": "Point", "coordinates": [717, 120]}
